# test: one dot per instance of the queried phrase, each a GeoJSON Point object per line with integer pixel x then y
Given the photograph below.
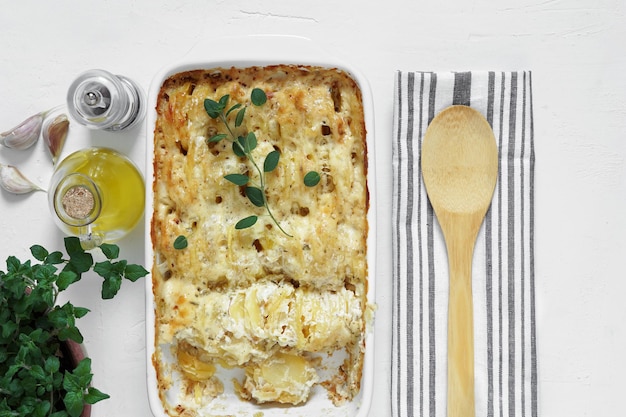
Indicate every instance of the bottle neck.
{"type": "Point", "coordinates": [77, 200]}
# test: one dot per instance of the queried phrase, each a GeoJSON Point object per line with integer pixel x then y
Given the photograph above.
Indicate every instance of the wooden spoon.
{"type": "Point", "coordinates": [460, 167]}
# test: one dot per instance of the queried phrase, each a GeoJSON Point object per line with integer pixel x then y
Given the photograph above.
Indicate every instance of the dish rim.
{"type": "Point", "coordinates": [287, 50]}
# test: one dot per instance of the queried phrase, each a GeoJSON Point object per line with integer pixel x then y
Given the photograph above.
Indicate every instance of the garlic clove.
{"type": "Point", "coordinates": [13, 181]}
{"type": "Point", "coordinates": [54, 135]}
{"type": "Point", "coordinates": [24, 135]}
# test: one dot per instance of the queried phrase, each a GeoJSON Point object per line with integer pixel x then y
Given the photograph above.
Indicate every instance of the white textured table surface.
{"type": "Point", "coordinates": [575, 49]}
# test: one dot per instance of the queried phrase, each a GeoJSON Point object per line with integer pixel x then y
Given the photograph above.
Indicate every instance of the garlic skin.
{"type": "Point", "coordinates": [54, 135]}
{"type": "Point", "coordinates": [13, 181]}
{"type": "Point", "coordinates": [24, 135]}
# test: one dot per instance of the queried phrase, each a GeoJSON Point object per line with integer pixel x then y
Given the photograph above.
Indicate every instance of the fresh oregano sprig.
{"type": "Point", "coordinates": [111, 270]}
{"type": "Point", "coordinates": [242, 146]}
{"type": "Point", "coordinates": [35, 380]}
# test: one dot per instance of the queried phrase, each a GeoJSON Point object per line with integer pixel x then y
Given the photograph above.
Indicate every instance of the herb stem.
{"type": "Point", "coordinates": [267, 207]}
{"type": "Point", "coordinates": [225, 122]}
{"type": "Point", "coordinates": [259, 171]}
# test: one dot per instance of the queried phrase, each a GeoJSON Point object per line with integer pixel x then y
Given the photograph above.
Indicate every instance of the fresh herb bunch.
{"type": "Point", "coordinates": [242, 146]}
{"type": "Point", "coordinates": [35, 379]}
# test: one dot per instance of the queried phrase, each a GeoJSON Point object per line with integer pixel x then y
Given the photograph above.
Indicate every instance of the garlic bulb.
{"type": "Point", "coordinates": [12, 180]}
{"type": "Point", "coordinates": [24, 135]}
{"type": "Point", "coordinates": [54, 135]}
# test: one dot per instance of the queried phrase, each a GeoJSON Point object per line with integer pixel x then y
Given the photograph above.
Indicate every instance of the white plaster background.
{"type": "Point", "coordinates": [575, 48]}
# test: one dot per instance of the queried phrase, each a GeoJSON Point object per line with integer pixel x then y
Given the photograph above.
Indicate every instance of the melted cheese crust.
{"type": "Point", "coordinates": [246, 298]}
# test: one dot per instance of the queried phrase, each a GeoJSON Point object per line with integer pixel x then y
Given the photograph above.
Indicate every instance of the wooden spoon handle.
{"type": "Point", "coordinates": [460, 331]}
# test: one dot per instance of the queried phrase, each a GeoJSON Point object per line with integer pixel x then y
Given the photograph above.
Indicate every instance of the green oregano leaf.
{"type": "Point", "coordinates": [110, 286]}
{"type": "Point", "coordinates": [73, 401]}
{"type": "Point", "coordinates": [217, 138]}
{"type": "Point", "coordinates": [255, 195]}
{"type": "Point", "coordinates": [213, 108]}
{"type": "Point", "coordinates": [233, 108]}
{"type": "Point", "coordinates": [250, 142]}
{"type": "Point", "coordinates": [109, 250]}
{"type": "Point", "coordinates": [271, 161]}
{"type": "Point", "coordinates": [240, 115]}
{"type": "Point", "coordinates": [52, 364]}
{"type": "Point", "coordinates": [71, 382]}
{"type": "Point", "coordinates": [13, 265]}
{"type": "Point", "coordinates": [54, 258]}
{"type": "Point", "coordinates": [112, 273]}
{"type": "Point", "coordinates": [65, 279]}
{"type": "Point", "coordinates": [72, 245]}
{"type": "Point", "coordinates": [237, 179]}
{"type": "Point", "coordinates": [48, 297]}
{"type": "Point", "coordinates": [83, 372]}
{"type": "Point", "coordinates": [238, 147]}
{"type": "Point", "coordinates": [58, 317]}
{"type": "Point", "coordinates": [180, 242]}
{"type": "Point", "coordinates": [80, 312]}
{"type": "Point", "coordinates": [42, 408]}
{"type": "Point", "coordinates": [311, 179]}
{"type": "Point", "coordinates": [258, 97]}
{"type": "Point", "coordinates": [80, 261]}
{"type": "Point", "coordinates": [104, 269]}
{"type": "Point", "coordinates": [133, 272]}
{"type": "Point", "coordinates": [94, 395]}
{"type": "Point", "coordinates": [224, 102]}
{"type": "Point", "coordinates": [39, 252]}
{"type": "Point", "coordinates": [245, 223]}
{"type": "Point", "coordinates": [70, 333]}
{"type": "Point", "coordinates": [37, 372]}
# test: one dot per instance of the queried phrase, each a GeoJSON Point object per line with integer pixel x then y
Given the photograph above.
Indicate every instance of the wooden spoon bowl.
{"type": "Point", "coordinates": [460, 168]}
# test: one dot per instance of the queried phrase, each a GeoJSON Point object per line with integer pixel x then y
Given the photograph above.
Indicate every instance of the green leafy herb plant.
{"type": "Point", "coordinates": [36, 378]}
{"type": "Point", "coordinates": [243, 145]}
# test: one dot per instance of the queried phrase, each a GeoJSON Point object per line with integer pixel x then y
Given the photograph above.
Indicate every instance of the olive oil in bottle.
{"type": "Point", "coordinates": [97, 194]}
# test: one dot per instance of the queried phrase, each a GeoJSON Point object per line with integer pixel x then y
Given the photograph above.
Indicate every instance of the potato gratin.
{"type": "Point", "coordinates": [256, 301]}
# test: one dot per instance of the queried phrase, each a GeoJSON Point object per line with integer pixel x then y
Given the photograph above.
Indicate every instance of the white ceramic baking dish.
{"type": "Point", "coordinates": [245, 52]}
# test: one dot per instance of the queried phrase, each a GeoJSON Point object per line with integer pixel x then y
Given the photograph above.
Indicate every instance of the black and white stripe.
{"type": "Point", "coordinates": [503, 272]}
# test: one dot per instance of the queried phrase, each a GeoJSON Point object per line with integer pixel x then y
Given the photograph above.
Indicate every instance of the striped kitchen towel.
{"type": "Point", "coordinates": [503, 271]}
